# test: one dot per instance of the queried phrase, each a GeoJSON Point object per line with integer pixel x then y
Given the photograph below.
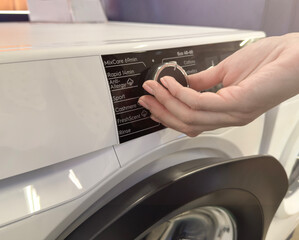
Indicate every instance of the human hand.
{"type": "Point", "coordinates": [255, 79]}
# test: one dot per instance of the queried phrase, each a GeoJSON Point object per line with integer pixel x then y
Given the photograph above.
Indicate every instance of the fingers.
{"type": "Point", "coordinates": [207, 78]}
{"type": "Point", "coordinates": [174, 105]}
{"type": "Point", "coordinates": [174, 111]}
{"type": "Point", "coordinates": [200, 122]}
{"type": "Point", "coordinates": [161, 114]}
{"type": "Point", "coordinates": [206, 101]}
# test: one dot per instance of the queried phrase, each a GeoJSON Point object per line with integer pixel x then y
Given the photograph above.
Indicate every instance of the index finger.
{"type": "Point", "coordinates": [207, 78]}
{"type": "Point", "coordinates": [223, 100]}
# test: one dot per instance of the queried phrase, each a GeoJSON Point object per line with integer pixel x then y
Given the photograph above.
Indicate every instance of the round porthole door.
{"type": "Point", "coordinates": [204, 199]}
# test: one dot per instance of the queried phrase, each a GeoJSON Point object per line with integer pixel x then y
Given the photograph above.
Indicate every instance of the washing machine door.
{"type": "Point", "coordinates": [204, 199]}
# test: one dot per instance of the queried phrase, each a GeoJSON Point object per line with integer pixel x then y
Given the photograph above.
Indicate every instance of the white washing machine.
{"type": "Point", "coordinates": [80, 159]}
{"type": "Point", "coordinates": [283, 144]}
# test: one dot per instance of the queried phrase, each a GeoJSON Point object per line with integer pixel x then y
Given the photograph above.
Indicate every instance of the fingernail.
{"type": "Point", "coordinates": [148, 88]}
{"type": "Point", "coordinates": [164, 82]}
{"type": "Point", "coordinates": [143, 104]}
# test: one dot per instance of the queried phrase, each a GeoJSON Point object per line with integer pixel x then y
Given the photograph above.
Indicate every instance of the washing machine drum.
{"type": "Point", "coordinates": [205, 199]}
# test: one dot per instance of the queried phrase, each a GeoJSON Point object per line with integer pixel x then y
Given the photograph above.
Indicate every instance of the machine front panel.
{"type": "Point", "coordinates": [126, 72]}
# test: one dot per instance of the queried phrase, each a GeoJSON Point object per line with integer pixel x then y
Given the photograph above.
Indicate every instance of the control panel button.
{"type": "Point", "coordinates": [171, 69]}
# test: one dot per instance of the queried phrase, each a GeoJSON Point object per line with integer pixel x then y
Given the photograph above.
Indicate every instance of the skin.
{"type": "Point", "coordinates": [255, 79]}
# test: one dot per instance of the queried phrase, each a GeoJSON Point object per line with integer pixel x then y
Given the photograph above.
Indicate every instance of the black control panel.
{"type": "Point", "coordinates": [126, 72]}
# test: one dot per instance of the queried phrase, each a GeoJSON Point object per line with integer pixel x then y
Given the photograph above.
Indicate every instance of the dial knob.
{"type": "Point", "coordinates": [171, 69]}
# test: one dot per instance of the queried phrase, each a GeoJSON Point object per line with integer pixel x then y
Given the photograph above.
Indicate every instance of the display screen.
{"type": "Point", "coordinates": [126, 72]}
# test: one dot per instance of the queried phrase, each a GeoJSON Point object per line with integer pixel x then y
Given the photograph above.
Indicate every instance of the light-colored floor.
{"type": "Point", "coordinates": [296, 234]}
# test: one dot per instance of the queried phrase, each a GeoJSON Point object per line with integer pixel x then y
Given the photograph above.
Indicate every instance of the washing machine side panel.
{"type": "Point", "coordinates": [42, 190]}
{"type": "Point", "coordinates": [53, 110]}
{"type": "Point", "coordinates": [38, 226]}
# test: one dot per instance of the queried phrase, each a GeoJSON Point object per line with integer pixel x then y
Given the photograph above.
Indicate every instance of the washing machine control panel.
{"type": "Point", "coordinates": [126, 72]}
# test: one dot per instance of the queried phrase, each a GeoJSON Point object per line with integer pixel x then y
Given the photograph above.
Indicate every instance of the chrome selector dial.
{"type": "Point", "coordinates": [171, 69]}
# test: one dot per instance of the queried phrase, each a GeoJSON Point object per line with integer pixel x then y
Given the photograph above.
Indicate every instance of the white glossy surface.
{"type": "Point", "coordinates": [286, 121]}
{"type": "Point", "coordinates": [290, 204]}
{"type": "Point", "coordinates": [284, 146]}
{"type": "Point", "coordinates": [25, 41]}
{"type": "Point", "coordinates": [52, 110]}
{"type": "Point", "coordinates": [233, 142]}
{"type": "Point", "coordinates": [40, 226]}
{"type": "Point", "coordinates": [41, 190]}
{"type": "Point", "coordinates": [57, 35]}
{"type": "Point", "coordinates": [281, 228]}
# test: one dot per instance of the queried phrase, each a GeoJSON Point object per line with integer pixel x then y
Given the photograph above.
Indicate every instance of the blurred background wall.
{"type": "Point", "coordinates": [275, 17]}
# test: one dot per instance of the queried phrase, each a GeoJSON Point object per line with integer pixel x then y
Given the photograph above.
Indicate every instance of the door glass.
{"type": "Point", "coordinates": [205, 223]}
{"type": "Point", "coordinates": [294, 179]}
